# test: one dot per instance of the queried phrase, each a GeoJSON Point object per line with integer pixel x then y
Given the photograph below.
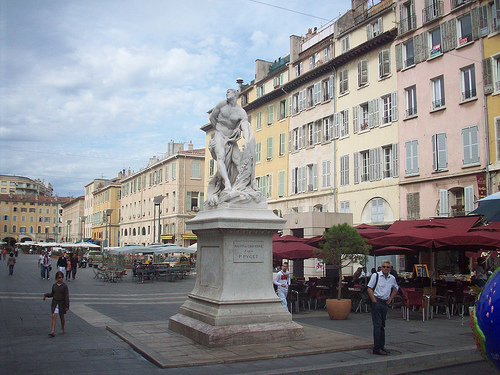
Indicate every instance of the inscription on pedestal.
{"type": "Point", "coordinates": [248, 251]}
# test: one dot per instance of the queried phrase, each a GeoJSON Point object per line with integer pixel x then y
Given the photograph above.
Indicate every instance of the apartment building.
{"type": "Point", "coordinates": [71, 219]}
{"type": "Point", "coordinates": [160, 198]}
{"type": "Point", "coordinates": [442, 128]}
{"type": "Point", "coordinates": [105, 218]}
{"type": "Point", "coordinates": [24, 185]}
{"type": "Point", "coordinates": [489, 28]}
{"type": "Point", "coordinates": [30, 218]}
{"type": "Point", "coordinates": [88, 209]}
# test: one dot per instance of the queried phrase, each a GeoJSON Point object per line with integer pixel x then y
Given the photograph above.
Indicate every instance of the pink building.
{"type": "Point", "coordinates": [442, 133]}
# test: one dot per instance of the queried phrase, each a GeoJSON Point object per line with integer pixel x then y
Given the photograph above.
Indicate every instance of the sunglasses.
{"type": "Point", "coordinates": [386, 266]}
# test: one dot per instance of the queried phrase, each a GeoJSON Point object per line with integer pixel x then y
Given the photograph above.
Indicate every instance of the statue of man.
{"type": "Point", "coordinates": [235, 169]}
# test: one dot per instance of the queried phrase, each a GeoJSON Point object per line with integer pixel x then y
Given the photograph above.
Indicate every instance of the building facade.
{"type": "Point", "coordinates": [88, 209]}
{"type": "Point", "coordinates": [24, 185]}
{"type": "Point", "coordinates": [105, 218]}
{"type": "Point", "coordinates": [158, 200]}
{"type": "Point", "coordinates": [71, 219]}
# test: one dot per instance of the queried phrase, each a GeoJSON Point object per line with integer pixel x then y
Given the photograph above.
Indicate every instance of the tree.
{"type": "Point", "coordinates": [343, 245]}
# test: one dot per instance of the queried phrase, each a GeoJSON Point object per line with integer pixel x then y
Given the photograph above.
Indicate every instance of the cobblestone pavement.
{"type": "Point", "coordinates": [88, 347]}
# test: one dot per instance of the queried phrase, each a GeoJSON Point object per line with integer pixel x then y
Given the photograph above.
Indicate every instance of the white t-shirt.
{"type": "Point", "coordinates": [384, 286]}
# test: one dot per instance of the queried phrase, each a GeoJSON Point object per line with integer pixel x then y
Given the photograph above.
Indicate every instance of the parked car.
{"type": "Point", "coordinates": [177, 260]}
{"type": "Point", "coordinates": [93, 256]}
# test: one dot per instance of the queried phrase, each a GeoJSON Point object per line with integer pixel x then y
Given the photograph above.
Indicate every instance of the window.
{"type": "Point", "coordinates": [281, 183]}
{"type": "Point", "coordinates": [377, 210]}
{"type": "Point", "coordinates": [317, 93]}
{"type": "Point", "coordinates": [374, 29]}
{"type": "Point", "coordinates": [270, 114]}
{"type": "Point", "coordinates": [278, 80]}
{"type": "Point", "coordinates": [411, 101]}
{"type": "Point", "coordinates": [344, 170]}
{"type": "Point", "coordinates": [407, 17]}
{"type": "Point", "coordinates": [295, 135]}
{"type": "Point", "coordinates": [497, 132]}
{"type": "Point", "coordinates": [269, 152]}
{"type": "Point", "coordinates": [341, 123]}
{"type": "Point", "coordinates": [437, 90]}
{"type": "Point", "coordinates": [464, 30]}
{"type": "Point", "coordinates": [496, 72]}
{"type": "Point", "coordinates": [327, 173]}
{"type": "Point", "coordinates": [363, 116]}
{"type": "Point", "coordinates": [344, 207]}
{"type": "Point", "coordinates": [195, 169]}
{"type": "Point", "coordinates": [327, 88]}
{"type": "Point", "coordinates": [343, 81]}
{"type": "Point", "coordinates": [194, 200]}
{"type": "Point", "coordinates": [312, 177]}
{"type": "Point", "coordinates": [384, 63]}
{"type": "Point", "coordinates": [316, 132]}
{"type": "Point", "coordinates": [433, 10]}
{"type": "Point", "coordinates": [345, 44]}
{"type": "Point", "coordinates": [495, 14]}
{"type": "Point", "coordinates": [328, 128]}
{"type": "Point", "coordinates": [327, 53]}
{"type": "Point", "coordinates": [298, 69]}
{"type": "Point", "coordinates": [439, 153]}
{"type": "Point", "coordinates": [408, 54]}
{"type": "Point", "coordinates": [389, 108]}
{"type": "Point", "coordinates": [390, 162]}
{"type": "Point", "coordinates": [211, 167]}
{"type": "Point", "coordinates": [174, 171]}
{"type": "Point", "coordinates": [365, 162]}
{"type": "Point", "coordinates": [314, 60]}
{"type": "Point", "coordinates": [413, 206]}
{"type": "Point", "coordinates": [468, 81]}
{"type": "Point", "coordinates": [282, 144]}
{"type": "Point", "coordinates": [435, 42]}
{"type": "Point", "coordinates": [258, 151]}
{"type": "Point", "coordinates": [411, 157]}
{"type": "Point", "coordinates": [470, 140]}
{"type": "Point", "coordinates": [299, 178]}
{"type": "Point", "coordinates": [310, 96]}
{"type": "Point", "coordinates": [362, 73]}
{"type": "Point", "coordinates": [282, 109]}
{"type": "Point", "coordinates": [261, 91]}
{"type": "Point", "coordinates": [258, 123]}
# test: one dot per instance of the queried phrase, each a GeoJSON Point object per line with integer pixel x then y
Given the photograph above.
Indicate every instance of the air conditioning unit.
{"type": "Point", "coordinates": [195, 209]}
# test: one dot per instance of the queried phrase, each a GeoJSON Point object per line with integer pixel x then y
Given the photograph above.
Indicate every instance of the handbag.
{"type": "Point", "coordinates": [364, 290]}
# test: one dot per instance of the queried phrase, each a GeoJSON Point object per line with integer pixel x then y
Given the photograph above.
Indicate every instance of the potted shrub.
{"type": "Point", "coordinates": [343, 245]}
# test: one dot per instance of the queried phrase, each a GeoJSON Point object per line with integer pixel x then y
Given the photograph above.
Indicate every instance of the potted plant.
{"type": "Point", "coordinates": [343, 245]}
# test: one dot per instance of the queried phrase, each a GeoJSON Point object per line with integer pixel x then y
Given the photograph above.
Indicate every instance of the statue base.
{"type": "Point", "coordinates": [233, 301]}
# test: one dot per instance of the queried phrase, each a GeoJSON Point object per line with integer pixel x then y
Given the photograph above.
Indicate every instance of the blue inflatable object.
{"type": "Point", "coordinates": [486, 320]}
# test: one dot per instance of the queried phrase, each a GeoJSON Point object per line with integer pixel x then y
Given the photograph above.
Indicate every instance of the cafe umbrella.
{"type": "Point", "coordinates": [489, 207]}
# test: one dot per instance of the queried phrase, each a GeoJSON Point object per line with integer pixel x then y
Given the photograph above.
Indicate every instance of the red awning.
{"type": "Point", "coordinates": [290, 247]}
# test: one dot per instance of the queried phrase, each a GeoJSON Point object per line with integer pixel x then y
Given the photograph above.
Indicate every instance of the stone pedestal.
{"type": "Point", "coordinates": [233, 301]}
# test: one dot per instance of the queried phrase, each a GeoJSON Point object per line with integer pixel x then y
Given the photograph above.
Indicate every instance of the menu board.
{"type": "Point", "coordinates": [420, 270]}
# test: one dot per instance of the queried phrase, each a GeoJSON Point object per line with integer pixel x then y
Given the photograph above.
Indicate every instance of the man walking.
{"type": "Point", "coordinates": [282, 280]}
{"type": "Point", "coordinates": [382, 288]}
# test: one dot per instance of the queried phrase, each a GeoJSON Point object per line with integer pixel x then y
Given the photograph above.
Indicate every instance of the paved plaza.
{"type": "Point", "coordinates": [113, 327]}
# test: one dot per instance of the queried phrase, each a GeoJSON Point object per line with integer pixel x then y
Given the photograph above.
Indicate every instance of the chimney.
{"type": "Point", "coordinates": [190, 145]}
{"type": "Point", "coordinates": [239, 81]}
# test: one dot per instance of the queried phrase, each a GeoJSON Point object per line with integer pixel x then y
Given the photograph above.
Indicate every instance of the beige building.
{"type": "Point", "coordinates": [24, 185]}
{"type": "Point", "coordinates": [157, 200]}
{"type": "Point", "coordinates": [71, 219]}
{"type": "Point", "coordinates": [88, 209]}
{"type": "Point", "coordinates": [30, 218]}
{"type": "Point", "coordinates": [105, 218]}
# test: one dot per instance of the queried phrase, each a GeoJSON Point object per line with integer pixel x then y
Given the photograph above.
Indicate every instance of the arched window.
{"type": "Point", "coordinates": [143, 231]}
{"type": "Point", "coordinates": [133, 232]}
{"type": "Point", "coordinates": [126, 233]}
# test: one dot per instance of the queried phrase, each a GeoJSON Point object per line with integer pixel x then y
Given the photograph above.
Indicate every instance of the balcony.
{"type": "Point", "coordinates": [469, 94]}
{"type": "Point", "coordinates": [407, 24]}
{"type": "Point", "coordinates": [433, 12]}
{"type": "Point", "coordinates": [458, 3]}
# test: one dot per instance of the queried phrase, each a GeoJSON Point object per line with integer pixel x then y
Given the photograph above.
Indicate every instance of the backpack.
{"type": "Point", "coordinates": [364, 290]}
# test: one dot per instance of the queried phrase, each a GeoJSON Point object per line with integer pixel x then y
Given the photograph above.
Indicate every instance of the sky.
{"type": "Point", "coordinates": [91, 87]}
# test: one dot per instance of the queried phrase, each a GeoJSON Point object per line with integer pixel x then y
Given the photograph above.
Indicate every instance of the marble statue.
{"type": "Point", "coordinates": [234, 181]}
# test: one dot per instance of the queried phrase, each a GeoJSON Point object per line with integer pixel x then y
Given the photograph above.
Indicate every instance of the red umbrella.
{"type": "Point", "coordinates": [371, 231]}
{"type": "Point", "coordinates": [290, 247]}
{"type": "Point", "coordinates": [478, 238]}
{"type": "Point", "coordinates": [394, 250]}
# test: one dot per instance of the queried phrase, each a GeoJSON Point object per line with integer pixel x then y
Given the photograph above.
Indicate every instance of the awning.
{"type": "Point", "coordinates": [189, 236]}
{"type": "Point", "coordinates": [166, 236]}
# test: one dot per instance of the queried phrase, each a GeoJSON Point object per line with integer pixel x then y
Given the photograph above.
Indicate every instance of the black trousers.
{"type": "Point", "coordinates": [379, 314]}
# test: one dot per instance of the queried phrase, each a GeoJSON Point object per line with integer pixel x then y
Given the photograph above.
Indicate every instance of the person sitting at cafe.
{"type": "Point", "coordinates": [480, 273]}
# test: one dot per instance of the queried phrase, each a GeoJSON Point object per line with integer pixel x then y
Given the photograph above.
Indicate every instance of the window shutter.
{"type": "Point", "coordinates": [289, 141]}
{"type": "Point", "coordinates": [376, 112]}
{"type": "Point", "coordinates": [394, 105]}
{"type": "Point", "coordinates": [189, 205]}
{"type": "Point", "coordinates": [370, 114]}
{"type": "Point", "coordinates": [395, 160]}
{"type": "Point", "coordinates": [371, 164]}
{"type": "Point", "coordinates": [466, 145]}
{"type": "Point", "coordinates": [443, 202]}
{"type": "Point", "coordinates": [442, 152]}
{"type": "Point", "coordinates": [399, 56]}
{"type": "Point", "coordinates": [290, 105]}
{"type": "Point", "coordinates": [474, 144]}
{"type": "Point", "coordinates": [293, 187]}
{"type": "Point", "coordinates": [497, 126]}
{"type": "Point", "coordinates": [380, 26]}
{"type": "Point", "coordinates": [286, 107]}
{"type": "Point", "coordinates": [369, 31]}
{"type": "Point", "coordinates": [474, 17]}
{"type": "Point", "coordinates": [434, 153]}
{"type": "Point", "coordinates": [330, 86]}
{"type": "Point", "coordinates": [315, 176]}
{"type": "Point", "coordinates": [378, 163]}
{"type": "Point", "coordinates": [469, 198]}
{"type": "Point", "coordinates": [483, 20]}
{"type": "Point", "coordinates": [487, 75]}
{"type": "Point", "coordinates": [355, 121]}
{"type": "Point", "coordinates": [269, 186]}
{"type": "Point", "coordinates": [336, 125]}
{"type": "Point", "coordinates": [452, 34]}
{"type": "Point", "coordinates": [444, 37]}
{"type": "Point", "coordinates": [356, 167]}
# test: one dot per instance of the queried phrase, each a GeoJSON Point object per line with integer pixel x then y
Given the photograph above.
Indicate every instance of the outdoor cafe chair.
{"type": "Point", "coordinates": [305, 297]}
{"type": "Point", "coordinates": [412, 298]}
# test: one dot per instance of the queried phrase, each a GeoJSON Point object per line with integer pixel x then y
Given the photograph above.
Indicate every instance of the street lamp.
{"type": "Point", "coordinates": [108, 213]}
{"type": "Point", "coordinates": [156, 201]}
{"type": "Point", "coordinates": [68, 222]}
{"type": "Point", "coordinates": [82, 220]}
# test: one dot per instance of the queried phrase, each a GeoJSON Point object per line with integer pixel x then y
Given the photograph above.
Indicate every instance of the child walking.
{"type": "Point", "coordinates": [60, 302]}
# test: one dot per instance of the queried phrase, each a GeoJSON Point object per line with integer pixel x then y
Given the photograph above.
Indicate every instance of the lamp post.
{"type": "Point", "coordinates": [68, 222]}
{"type": "Point", "coordinates": [156, 201]}
{"type": "Point", "coordinates": [108, 213]}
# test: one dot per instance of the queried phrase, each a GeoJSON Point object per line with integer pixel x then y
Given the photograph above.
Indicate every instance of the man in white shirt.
{"type": "Point", "coordinates": [382, 288]}
{"type": "Point", "coordinates": [282, 280]}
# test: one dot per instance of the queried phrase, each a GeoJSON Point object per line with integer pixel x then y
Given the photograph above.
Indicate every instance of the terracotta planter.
{"type": "Point", "coordinates": [338, 309]}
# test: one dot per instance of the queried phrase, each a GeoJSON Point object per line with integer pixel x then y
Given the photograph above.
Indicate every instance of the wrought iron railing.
{"type": "Point", "coordinates": [407, 24]}
{"type": "Point", "coordinates": [433, 11]}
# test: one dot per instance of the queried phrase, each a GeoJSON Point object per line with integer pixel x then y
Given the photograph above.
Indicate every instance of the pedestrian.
{"type": "Point", "coordinates": [4, 253]}
{"type": "Point", "coordinates": [74, 265]}
{"type": "Point", "coordinates": [282, 281]}
{"type": "Point", "coordinates": [382, 288]}
{"type": "Point", "coordinates": [68, 268]}
{"type": "Point", "coordinates": [60, 302]}
{"type": "Point", "coordinates": [40, 264]}
{"type": "Point", "coordinates": [11, 263]}
{"type": "Point", "coordinates": [480, 273]}
{"type": "Point", "coordinates": [47, 266]}
{"type": "Point", "coordinates": [62, 263]}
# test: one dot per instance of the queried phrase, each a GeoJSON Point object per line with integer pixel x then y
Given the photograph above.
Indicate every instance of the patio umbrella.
{"type": "Point", "coordinates": [485, 238]}
{"type": "Point", "coordinates": [394, 250]}
{"type": "Point", "coordinates": [489, 207]}
{"type": "Point", "coordinates": [371, 231]}
{"type": "Point", "coordinates": [290, 247]}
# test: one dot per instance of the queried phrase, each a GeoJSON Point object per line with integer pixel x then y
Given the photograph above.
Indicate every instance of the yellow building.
{"type": "Point", "coordinates": [490, 30]}
{"type": "Point", "coordinates": [30, 218]}
{"type": "Point", "coordinates": [106, 214]}
{"type": "Point", "coordinates": [71, 220]}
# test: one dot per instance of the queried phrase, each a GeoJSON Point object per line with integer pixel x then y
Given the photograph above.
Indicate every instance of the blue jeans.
{"type": "Point", "coordinates": [379, 314]}
{"type": "Point", "coordinates": [44, 270]}
{"type": "Point", "coordinates": [282, 295]}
